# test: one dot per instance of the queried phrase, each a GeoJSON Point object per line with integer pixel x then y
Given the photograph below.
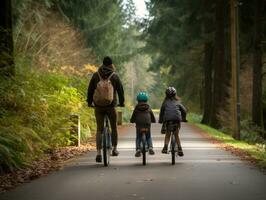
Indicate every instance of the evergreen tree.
{"type": "Point", "coordinates": [257, 64]}
{"type": "Point", "coordinates": [175, 40]}
{"type": "Point", "coordinates": [102, 23]}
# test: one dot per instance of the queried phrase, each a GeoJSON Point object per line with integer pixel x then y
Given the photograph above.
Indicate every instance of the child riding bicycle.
{"type": "Point", "coordinates": [172, 110]}
{"type": "Point", "coordinates": [143, 117]}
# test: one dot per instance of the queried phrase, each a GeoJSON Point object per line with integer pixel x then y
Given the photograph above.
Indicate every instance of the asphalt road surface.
{"type": "Point", "coordinates": [204, 173]}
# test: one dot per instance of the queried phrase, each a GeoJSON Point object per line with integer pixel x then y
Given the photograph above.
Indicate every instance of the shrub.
{"type": "Point", "coordinates": [252, 133]}
{"type": "Point", "coordinates": [35, 109]}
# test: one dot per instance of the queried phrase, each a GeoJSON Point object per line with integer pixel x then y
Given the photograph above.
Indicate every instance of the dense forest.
{"type": "Point", "coordinates": [189, 42]}
{"type": "Point", "coordinates": [50, 48]}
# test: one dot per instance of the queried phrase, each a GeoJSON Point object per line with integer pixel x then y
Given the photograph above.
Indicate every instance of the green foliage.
{"type": "Point", "coordinates": [194, 118]}
{"type": "Point", "coordinates": [175, 41]}
{"type": "Point", "coordinates": [35, 109]}
{"type": "Point", "coordinates": [103, 24]}
{"type": "Point", "coordinates": [138, 78]}
{"type": "Point", "coordinates": [16, 143]}
{"type": "Point", "coordinates": [252, 133]}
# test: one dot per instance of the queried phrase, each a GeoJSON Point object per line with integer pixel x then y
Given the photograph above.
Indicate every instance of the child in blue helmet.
{"type": "Point", "coordinates": [143, 117]}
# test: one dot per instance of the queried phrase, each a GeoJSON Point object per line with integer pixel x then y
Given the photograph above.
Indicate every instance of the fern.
{"type": "Point", "coordinates": [35, 111]}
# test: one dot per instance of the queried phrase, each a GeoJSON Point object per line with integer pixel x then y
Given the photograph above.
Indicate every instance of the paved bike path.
{"type": "Point", "coordinates": [205, 172]}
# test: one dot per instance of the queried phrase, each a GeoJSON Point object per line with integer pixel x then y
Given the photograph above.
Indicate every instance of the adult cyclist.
{"type": "Point", "coordinates": [106, 72]}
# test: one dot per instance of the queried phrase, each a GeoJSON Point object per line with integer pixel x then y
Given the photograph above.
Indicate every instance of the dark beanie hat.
{"type": "Point", "coordinates": [107, 61]}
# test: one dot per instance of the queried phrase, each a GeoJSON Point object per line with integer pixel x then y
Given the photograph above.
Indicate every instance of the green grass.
{"type": "Point", "coordinates": [255, 151]}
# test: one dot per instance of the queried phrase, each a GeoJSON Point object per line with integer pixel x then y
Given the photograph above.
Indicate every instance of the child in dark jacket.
{"type": "Point", "coordinates": [172, 110]}
{"type": "Point", "coordinates": [143, 117]}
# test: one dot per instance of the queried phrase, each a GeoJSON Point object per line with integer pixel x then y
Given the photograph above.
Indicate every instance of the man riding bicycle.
{"type": "Point", "coordinates": [103, 86]}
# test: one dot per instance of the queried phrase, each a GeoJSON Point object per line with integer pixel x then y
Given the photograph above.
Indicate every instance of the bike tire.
{"type": "Point", "coordinates": [173, 149]}
{"type": "Point", "coordinates": [143, 139]}
{"type": "Point", "coordinates": [106, 153]}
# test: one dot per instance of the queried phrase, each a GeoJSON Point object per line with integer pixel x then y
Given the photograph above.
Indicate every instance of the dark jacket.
{"type": "Point", "coordinates": [105, 72]}
{"type": "Point", "coordinates": [172, 110]}
{"type": "Point", "coordinates": [142, 115]}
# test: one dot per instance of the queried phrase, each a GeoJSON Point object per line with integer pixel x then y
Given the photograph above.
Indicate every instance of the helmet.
{"type": "Point", "coordinates": [107, 61]}
{"type": "Point", "coordinates": [170, 91]}
{"type": "Point", "coordinates": [142, 96]}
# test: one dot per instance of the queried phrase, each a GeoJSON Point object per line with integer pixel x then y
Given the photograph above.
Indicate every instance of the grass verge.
{"type": "Point", "coordinates": [256, 153]}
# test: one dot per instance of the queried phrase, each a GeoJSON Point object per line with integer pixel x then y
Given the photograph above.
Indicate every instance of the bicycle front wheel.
{"type": "Point", "coordinates": [106, 150]}
{"type": "Point", "coordinates": [143, 140]}
{"type": "Point", "coordinates": [173, 143]}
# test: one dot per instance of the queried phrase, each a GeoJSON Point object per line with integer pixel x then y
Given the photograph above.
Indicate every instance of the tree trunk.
{"type": "Point", "coordinates": [257, 66]}
{"type": "Point", "coordinates": [208, 27]}
{"type": "Point", "coordinates": [208, 49]}
{"type": "Point", "coordinates": [6, 39]}
{"type": "Point", "coordinates": [220, 70]}
{"type": "Point", "coordinates": [235, 103]}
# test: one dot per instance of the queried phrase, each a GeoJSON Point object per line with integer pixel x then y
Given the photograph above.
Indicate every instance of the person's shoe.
{"type": "Point", "coordinates": [138, 153]}
{"type": "Point", "coordinates": [115, 152]}
{"type": "Point", "coordinates": [180, 152]}
{"type": "Point", "coordinates": [165, 149]}
{"type": "Point", "coordinates": [151, 152]}
{"type": "Point", "coordinates": [99, 158]}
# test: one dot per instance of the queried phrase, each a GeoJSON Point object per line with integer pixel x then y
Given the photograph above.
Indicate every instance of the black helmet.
{"type": "Point", "coordinates": [107, 61]}
{"type": "Point", "coordinates": [170, 91]}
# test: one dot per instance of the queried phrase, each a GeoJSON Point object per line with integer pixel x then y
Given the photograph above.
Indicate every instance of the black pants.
{"type": "Point", "coordinates": [100, 112]}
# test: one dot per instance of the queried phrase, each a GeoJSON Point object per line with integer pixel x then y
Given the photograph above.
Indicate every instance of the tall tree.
{"type": "Point", "coordinates": [208, 62]}
{"type": "Point", "coordinates": [219, 84]}
{"type": "Point", "coordinates": [208, 69]}
{"type": "Point", "coordinates": [257, 65]}
{"type": "Point", "coordinates": [177, 34]}
{"type": "Point", "coordinates": [6, 39]}
{"type": "Point", "coordinates": [175, 45]}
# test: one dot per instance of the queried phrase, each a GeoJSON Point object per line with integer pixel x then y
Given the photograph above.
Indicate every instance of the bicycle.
{"type": "Point", "coordinates": [171, 127]}
{"type": "Point", "coordinates": [106, 143]}
{"type": "Point", "coordinates": [143, 132]}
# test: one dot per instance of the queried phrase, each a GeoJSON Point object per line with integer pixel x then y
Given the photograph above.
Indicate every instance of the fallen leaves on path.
{"type": "Point", "coordinates": [51, 161]}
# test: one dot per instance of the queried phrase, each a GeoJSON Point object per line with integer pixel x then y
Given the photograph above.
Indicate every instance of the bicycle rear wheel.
{"type": "Point", "coordinates": [106, 150]}
{"type": "Point", "coordinates": [143, 140]}
{"type": "Point", "coordinates": [173, 143]}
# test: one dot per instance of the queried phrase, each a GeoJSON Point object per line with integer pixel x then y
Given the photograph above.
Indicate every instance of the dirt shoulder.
{"type": "Point", "coordinates": [50, 161]}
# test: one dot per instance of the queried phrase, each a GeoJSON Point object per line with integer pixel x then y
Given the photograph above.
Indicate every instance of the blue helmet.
{"type": "Point", "coordinates": [142, 96]}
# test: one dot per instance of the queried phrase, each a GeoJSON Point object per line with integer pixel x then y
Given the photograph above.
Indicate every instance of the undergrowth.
{"type": "Point", "coordinates": [35, 109]}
